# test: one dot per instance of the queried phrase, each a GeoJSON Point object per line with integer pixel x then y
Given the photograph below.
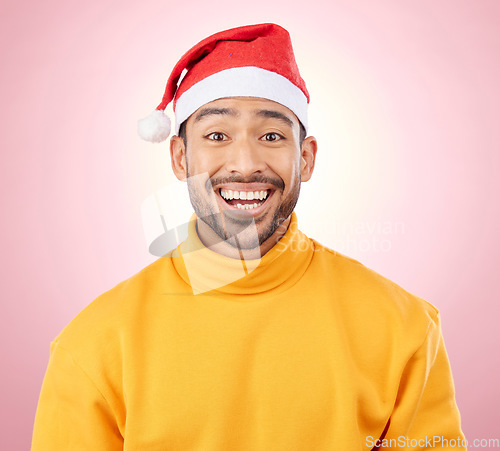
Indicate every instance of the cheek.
{"type": "Point", "coordinates": [202, 161]}
{"type": "Point", "coordinates": [287, 168]}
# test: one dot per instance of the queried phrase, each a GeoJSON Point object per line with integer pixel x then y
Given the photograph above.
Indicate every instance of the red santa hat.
{"type": "Point", "coordinates": [248, 61]}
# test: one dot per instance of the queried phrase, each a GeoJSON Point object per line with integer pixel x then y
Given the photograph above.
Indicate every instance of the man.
{"type": "Point", "coordinates": [249, 335]}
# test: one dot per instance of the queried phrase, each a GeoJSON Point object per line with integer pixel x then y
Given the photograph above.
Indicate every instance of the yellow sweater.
{"type": "Point", "coordinates": [310, 350]}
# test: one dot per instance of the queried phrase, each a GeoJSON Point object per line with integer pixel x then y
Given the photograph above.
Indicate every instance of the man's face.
{"type": "Point", "coordinates": [246, 156]}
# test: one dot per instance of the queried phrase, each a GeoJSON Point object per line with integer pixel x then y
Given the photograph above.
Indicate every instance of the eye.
{"type": "Point", "coordinates": [216, 136]}
{"type": "Point", "coordinates": [272, 136]}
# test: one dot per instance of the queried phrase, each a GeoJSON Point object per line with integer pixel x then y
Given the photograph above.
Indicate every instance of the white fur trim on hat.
{"type": "Point", "coordinates": [155, 127]}
{"type": "Point", "coordinates": [242, 82]}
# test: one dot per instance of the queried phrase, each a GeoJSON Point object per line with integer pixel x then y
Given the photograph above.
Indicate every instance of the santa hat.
{"type": "Point", "coordinates": [249, 61]}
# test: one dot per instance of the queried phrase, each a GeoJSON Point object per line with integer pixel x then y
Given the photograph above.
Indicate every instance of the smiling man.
{"type": "Point", "coordinates": [249, 335]}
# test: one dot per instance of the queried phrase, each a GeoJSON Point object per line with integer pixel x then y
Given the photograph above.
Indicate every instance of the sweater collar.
{"type": "Point", "coordinates": [205, 270]}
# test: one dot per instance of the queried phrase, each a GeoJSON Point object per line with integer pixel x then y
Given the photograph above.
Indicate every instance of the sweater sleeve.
{"type": "Point", "coordinates": [425, 414]}
{"type": "Point", "coordinates": [72, 413]}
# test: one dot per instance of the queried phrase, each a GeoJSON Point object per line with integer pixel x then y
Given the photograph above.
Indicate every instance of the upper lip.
{"type": "Point", "coordinates": [245, 187]}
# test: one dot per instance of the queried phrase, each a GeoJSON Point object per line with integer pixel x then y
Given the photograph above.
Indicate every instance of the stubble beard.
{"type": "Point", "coordinates": [226, 226]}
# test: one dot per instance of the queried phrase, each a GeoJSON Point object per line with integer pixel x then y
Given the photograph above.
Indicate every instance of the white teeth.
{"type": "Point", "coordinates": [245, 195]}
{"type": "Point", "coordinates": [247, 206]}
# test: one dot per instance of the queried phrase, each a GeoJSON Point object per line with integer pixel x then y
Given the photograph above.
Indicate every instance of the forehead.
{"type": "Point", "coordinates": [247, 108]}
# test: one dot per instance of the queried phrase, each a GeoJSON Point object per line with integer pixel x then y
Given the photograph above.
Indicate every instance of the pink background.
{"type": "Point", "coordinates": [405, 105]}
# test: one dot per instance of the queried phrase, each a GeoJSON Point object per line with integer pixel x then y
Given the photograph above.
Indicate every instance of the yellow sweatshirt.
{"type": "Point", "coordinates": [309, 350]}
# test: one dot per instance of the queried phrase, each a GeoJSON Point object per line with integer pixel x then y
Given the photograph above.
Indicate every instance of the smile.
{"type": "Point", "coordinates": [245, 200]}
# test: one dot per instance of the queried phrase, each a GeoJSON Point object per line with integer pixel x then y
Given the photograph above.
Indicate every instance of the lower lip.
{"type": "Point", "coordinates": [251, 211]}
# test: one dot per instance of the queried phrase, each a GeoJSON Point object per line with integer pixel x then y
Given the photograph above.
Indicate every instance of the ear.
{"type": "Point", "coordinates": [308, 157]}
{"type": "Point", "coordinates": [178, 157]}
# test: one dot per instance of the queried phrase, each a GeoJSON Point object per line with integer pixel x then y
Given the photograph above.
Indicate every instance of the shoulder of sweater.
{"type": "Point", "coordinates": [112, 309]}
{"type": "Point", "coordinates": [382, 293]}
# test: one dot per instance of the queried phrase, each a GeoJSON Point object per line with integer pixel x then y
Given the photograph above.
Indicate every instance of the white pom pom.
{"type": "Point", "coordinates": [155, 127]}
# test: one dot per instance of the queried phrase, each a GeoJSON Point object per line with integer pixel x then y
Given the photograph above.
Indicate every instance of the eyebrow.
{"type": "Point", "coordinates": [275, 115]}
{"type": "Point", "coordinates": [209, 111]}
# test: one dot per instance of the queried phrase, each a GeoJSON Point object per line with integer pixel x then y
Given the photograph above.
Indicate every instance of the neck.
{"type": "Point", "coordinates": [205, 270]}
{"type": "Point", "coordinates": [211, 240]}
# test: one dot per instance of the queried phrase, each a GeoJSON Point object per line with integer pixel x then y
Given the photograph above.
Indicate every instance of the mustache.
{"type": "Point", "coordinates": [257, 178]}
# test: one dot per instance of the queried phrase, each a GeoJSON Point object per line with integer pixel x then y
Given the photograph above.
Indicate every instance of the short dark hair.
{"type": "Point", "coordinates": [182, 133]}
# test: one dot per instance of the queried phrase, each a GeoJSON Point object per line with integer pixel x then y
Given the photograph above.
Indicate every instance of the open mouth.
{"type": "Point", "coordinates": [245, 200]}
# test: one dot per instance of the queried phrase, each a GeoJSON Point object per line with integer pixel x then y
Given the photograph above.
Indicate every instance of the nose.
{"type": "Point", "coordinates": [245, 157]}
